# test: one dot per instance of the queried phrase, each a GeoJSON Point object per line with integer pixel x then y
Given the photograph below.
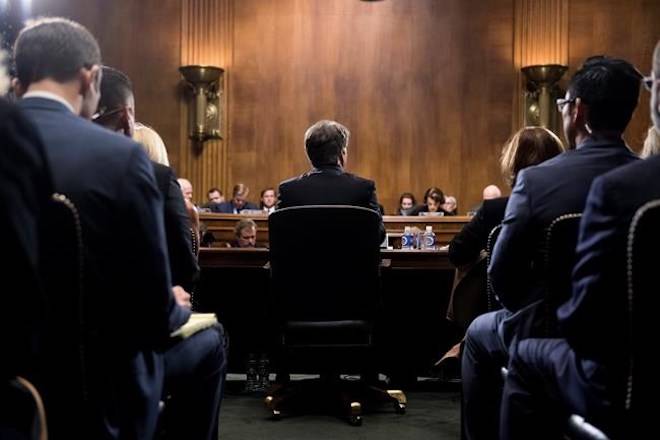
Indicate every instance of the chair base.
{"type": "Point", "coordinates": [345, 398]}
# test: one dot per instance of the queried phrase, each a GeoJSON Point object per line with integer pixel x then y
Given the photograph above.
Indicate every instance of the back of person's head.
{"type": "Point", "coordinates": [529, 146]}
{"type": "Point", "coordinates": [152, 143]}
{"type": "Point", "coordinates": [54, 48]}
{"type": "Point", "coordinates": [651, 143]}
{"type": "Point", "coordinates": [491, 192]}
{"type": "Point", "coordinates": [116, 107]}
{"type": "Point", "coordinates": [610, 89]}
{"type": "Point", "coordinates": [325, 142]}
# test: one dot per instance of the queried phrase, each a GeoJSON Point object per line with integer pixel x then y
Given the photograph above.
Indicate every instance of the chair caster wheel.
{"type": "Point", "coordinates": [400, 408]}
{"type": "Point", "coordinates": [355, 420]}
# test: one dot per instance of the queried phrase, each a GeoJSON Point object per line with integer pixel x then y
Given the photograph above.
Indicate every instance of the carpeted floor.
{"type": "Point", "coordinates": [432, 413]}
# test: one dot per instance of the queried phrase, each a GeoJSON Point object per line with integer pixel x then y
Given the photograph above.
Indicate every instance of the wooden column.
{"type": "Point", "coordinates": [540, 37]}
{"type": "Point", "coordinates": [206, 39]}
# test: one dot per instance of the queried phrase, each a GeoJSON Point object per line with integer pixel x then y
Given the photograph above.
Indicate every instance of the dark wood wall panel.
{"type": "Point", "coordinates": [141, 38]}
{"type": "Point", "coordinates": [626, 29]}
{"type": "Point", "coordinates": [424, 87]}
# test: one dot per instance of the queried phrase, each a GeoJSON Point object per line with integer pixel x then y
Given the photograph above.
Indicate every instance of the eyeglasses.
{"type": "Point", "coordinates": [103, 113]}
{"type": "Point", "coordinates": [648, 82]}
{"type": "Point", "coordinates": [561, 102]}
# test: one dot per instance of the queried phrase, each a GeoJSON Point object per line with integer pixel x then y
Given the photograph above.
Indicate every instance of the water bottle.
{"type": "Point", "coordinates": [428, 239]}
{"type": "Point", "coordinates": [407, 238]}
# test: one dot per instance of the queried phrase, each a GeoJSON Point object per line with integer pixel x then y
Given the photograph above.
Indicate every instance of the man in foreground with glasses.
{"type": "Point", "coordinates": [600, 101]}
{"type": "Point", "coordinates": [585, 373]}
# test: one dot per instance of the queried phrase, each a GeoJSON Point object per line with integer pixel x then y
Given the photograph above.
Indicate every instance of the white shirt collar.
{"type": "Point", "coordinates": [51, 96]}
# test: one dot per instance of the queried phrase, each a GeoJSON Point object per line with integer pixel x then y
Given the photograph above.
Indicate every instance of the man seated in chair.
{"type": "Point", "coordinates": [601, 98]}
{"type": "Point", "coordinates": [194, 367]}
{"type": "Point", "coordinates": [585, 372]}
{"type": "Point", "coordinates": [327, 183]}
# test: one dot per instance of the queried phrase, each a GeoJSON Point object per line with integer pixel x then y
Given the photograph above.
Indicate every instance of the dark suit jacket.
{"type": "Point", "coordinates": [127, 287]}
{"type": "Point", "coordinates": [541, 194]}
{"type": "Point", "coordinates": [25, 187]}
{"type": "Point", "coordinates": [595, 319]}
{"type": "Point", "coordinates": [183, 262]}
{"type": "Point", "coordinates": [228, 207]}
{"type": "Point", "coordinates": [465, 247]}
{"type": "Point", "coordinates": [329, 185]}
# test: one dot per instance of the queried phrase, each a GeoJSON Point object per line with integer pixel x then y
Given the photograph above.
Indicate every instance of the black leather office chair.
{"type": "Point", "coordinates": [22, 414]}
{"type": "Point", "coordinates": [63, 377]}
{"type": "Point", "coordinates": [325, 280]}
{"type": "Point", "coordinates": [493, 302]}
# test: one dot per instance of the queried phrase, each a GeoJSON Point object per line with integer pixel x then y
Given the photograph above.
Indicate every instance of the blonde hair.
{"type": "Point", "coordinates": [153, 144]}
{"type": "Point", "coordinates": [529, 146]}
{"type": "Point", "coordinates": [651, 143]}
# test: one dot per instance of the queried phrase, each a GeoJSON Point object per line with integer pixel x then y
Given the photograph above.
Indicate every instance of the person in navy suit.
{"type": "Point", "coordinates": [237, 203]}
{"type": "Point", "coordinates": [327, 183]}
{"type": "Point", "coordinates": [25, 189]}
{"type": "Point", "coordinates": [129, 307]}
{"type": "Point", "coordinates": [601, 98]}
{"type": "Point", "coordinates": [194, 367]}
{"type": "Point", "coordinates": [585, 372]}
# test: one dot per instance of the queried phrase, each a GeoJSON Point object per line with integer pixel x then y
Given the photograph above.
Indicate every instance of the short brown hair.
{"type": "Point", "coordinates": [529, 146]}
{"type": "Point", "coordinates": [244, 224]}
{"type": "Point", "coordinates": [240, 189]}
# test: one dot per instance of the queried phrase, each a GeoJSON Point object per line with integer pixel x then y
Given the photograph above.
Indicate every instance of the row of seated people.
{"type": "Point", "coordinates": [570, 356]}
{"type": "Point", "coordinates": [137, 251]}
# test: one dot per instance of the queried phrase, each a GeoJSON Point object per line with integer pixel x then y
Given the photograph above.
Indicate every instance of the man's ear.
{"type": "Point", "coordinates": [17, 87]}
{"type": "Point", "coordinates": [580, 112]}
{"type": "Point", "coordinates": [90, 78]}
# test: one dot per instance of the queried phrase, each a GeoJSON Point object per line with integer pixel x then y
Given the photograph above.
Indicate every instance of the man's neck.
{"type": "Point", "coordinates": [599, 136]}
{"type": "Point", "coordinates": [66, 91]}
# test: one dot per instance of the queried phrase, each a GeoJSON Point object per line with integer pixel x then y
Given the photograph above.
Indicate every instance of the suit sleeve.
{"type": "Point", "coordinates": [145, 276]}
{"type": "Point", "coordinates": [465, 247]}
{"type": "Point", "coordinates": [281, 198]}
{"type": "Point", "coordinates": [183, 263]}
{"type": "Point", "coordinates": [593, 319]}
{"type": "Point", "coordinates": [374, 205]}
{"type": "Point", "coordinates": [510, 265]}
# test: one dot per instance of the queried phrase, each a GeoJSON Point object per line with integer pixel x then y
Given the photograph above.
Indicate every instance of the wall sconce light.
{"type": "Point", "coordinates": [542, 90]}
{"type": "Point", "coordinates": [205, 116]}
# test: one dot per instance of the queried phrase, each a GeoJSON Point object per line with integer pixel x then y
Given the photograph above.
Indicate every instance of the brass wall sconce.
{"type": "Point", "coordinates": [541, 91]}
{"type": "Point", "coordinates": [205, 116]}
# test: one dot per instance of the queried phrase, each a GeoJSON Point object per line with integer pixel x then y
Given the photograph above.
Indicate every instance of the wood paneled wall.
{"type": "Point", "coordinates": [429, 88]}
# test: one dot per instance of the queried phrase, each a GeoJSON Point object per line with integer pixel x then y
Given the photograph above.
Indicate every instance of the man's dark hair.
{"type": "Point", "coordinates": [54, 48]}
{"type": "Point", "coordinates": [214, 189]}
{"type": "Point", "coordinates": [116, 89]}
{"type": "Point", "coordinates": [610, 89]}
{"type": "Point", "coordinates": [324, 142]}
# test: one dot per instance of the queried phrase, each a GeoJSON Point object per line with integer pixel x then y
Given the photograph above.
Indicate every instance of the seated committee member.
{"type": "Point", "coordinates": [601, 98]}
{"type": "Point", "coordinates": [406, 203]}
{"type": "Point", "coordinates": [194, 367]}
{"type": "Point", "coordinates": [434, 198]}
{"type": "Point", "coordinates": [327, 183]}
{"type": "Point", "coordinates": [450, 206]}
{"type": "Point", "coordinates": [268, 200]}
{"type": "Point", "coordinates": [586, 372]}
{"type": "Point", "coordinates": [110, 180]}
{"type": "Point", "coordinates": [245, 234]}
{"type": "Point", "coordinates": [237, 203]}
{"type": "Point", "coordinates": [214, 197]}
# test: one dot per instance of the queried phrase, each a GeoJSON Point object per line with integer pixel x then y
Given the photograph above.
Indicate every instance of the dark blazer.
{"type": "Point", "coordinates": [128, 290]}
{"type": "Point", "coordinates": [25, 187]}
{"type": "Point", "coordinates": [183, 262]}
{"type": "Point", "coordinates": [555, 187]}
{"type": "Point", "coordinates": [595, 319]}
{"type": "Point", "coordinates": [329, 185]}
{"type": "Point", "coordinates": [228, 207]}
{"type": "Point", "coordinates": [465, 247]}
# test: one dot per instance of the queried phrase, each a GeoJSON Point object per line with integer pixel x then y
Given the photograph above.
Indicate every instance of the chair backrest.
{"type": "Point", "coordinates": [643, 301]}
{"type": "Point", "coordinates": [325, 262]}
{"type": "Point", "coordinates": [22, 413]}
{"type": "Point", "coordinates": [560, 257]}
{"type": "Point", "coordinates": [493, 302]}
{"type": "Point", "coordinates": [64, 376]}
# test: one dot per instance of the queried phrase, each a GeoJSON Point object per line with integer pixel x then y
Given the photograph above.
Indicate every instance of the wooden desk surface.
{"type": "Point", "coordinates": [394, 259]}
{"type": "Point", "coordinates": [222, 226]}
